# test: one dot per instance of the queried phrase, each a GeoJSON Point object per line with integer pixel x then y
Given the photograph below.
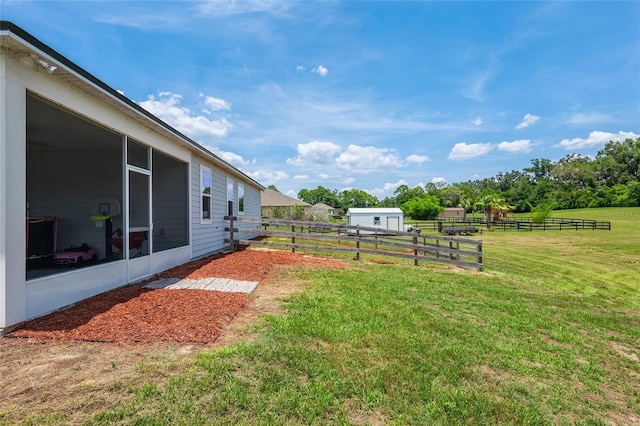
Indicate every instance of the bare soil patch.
{"type": "Point", "coordinates": [65, 361]}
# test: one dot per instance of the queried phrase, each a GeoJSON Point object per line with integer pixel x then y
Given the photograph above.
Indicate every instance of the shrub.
{"type": "Point", "coordinates": [541, 212]}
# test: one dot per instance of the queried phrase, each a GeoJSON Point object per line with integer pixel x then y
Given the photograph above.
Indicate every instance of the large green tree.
{"type": "Point", "coordinates": [320, 195]}
{"type": "Point", "coordinates": [619, 162]}
{"type": "Point", "coordinates": [424, 207]}
{"type": "Point", "coordinates": [356, 198]}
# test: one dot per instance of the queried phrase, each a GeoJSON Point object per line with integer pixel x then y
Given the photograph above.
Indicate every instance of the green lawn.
{"type": "Point", "coordinates": [548, 334]}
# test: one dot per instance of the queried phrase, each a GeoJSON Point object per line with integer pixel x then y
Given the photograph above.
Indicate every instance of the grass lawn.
{"type": "Point", "coordinates": [549, 333]}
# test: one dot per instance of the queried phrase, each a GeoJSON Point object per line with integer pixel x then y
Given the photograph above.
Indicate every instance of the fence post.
{"type": "Point", "coordinates": [438, 248]}
{"type": "Point", "coordinates": [480, 256]}
{"type": "Point", "coordinates": [293, 239]}
{"type": "Point", "coordinates": [357, 242]}
{"type": "Point", "coordinates": [415, 251]}
{"type": "Point", "coordinates": [232, 244]}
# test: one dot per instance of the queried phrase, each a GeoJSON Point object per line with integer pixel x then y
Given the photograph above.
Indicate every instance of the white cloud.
{"type": "Point", "coordinates": [300, 68]}
{"type": "Point", "coordinates": [301, 177]}
{"type": "Point", "coordinates": [589, 118]}
{"type": "Point", "coordinates": [392, 186]}
{"type": "Point", "coordinates": [348, 180]}
{"type": "Point", "coordinates": [417, 159]}
{"type": "Point", "coordinates": [462, 151]}
{"type": "Point", "coordinates": [231, 8]}
{"type": "Point", "coordinates": [267, 177]}
{"type": "Point", "coordinates": [167, 107]}
{"type": "Point", "coordinates": [595, 139]}
{"type": "Point", "coordinates": [519, 146]}
{"type": "Point", "coordinates": [324, 176]}
{"type": "Point", "coordinates": [366, 158]}
{"type": "Point", "coordinates": [477, 121]}
{"type": "Point", "coordinates": [232, 158]}
{"type": "Point", "coordinates": [476, 86]}
{"type": "Point", "coordinates": [321, 70]}
{"type": "Point", "coordinates": [216, 104]}
{"type": "Point", "coordinates": [527, 120]}
{"type": "Point", "coordinates": [439, 180]}
{"type": "Point", "coordinates": [388, 188]}
{"type": "Point", "coordinates": [315, 152]}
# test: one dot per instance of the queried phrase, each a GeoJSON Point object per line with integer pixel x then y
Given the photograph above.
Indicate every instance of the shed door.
{"type": "Point", "coordinates": [393, 223]}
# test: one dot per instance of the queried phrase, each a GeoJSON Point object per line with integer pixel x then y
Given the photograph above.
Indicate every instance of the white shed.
{"type": "Point", "coordinates": [96, 180]}
{"type": "Point", "coordinates": [384, 218]}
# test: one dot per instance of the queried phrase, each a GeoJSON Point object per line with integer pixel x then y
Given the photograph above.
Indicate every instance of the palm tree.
{"type": "Point", "coordinates": [466, 203]}
{"type": "Point", "coordinates": [493, 204]}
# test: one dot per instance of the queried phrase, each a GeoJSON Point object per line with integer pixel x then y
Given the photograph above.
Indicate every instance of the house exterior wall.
{"type": "Point", "coordinates": [209, 238]}
{"type": "Point", "coordinates": [3, 188]}
{"type": "Point", "coordinates": [22, 299]}
{"type": "Point", "coordinates": [12, 189]}
{"type": "Point", "coordinates": [453, 213]}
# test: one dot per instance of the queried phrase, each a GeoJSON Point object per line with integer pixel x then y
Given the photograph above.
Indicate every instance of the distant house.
{"type": "Point", "coordinates": [383, 218]}
{"type": "Point", "coordinates": [276, 204]}
{"type": "Point", "coordinates": [322, 207]}
{"type": "Point", "coordinates": [453, 213]}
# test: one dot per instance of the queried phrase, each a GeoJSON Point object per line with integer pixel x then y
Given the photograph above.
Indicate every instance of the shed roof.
{"type": "Point", "coordinates": [21, 43]}
{"type": "Point", "coordinates": [271, 198]}
{"type": "Point", "coordinates": [374, 210]}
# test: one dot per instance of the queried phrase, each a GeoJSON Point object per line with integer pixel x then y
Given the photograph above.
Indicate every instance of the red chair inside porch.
{"type": "Point", "coordinates": [136, 239]}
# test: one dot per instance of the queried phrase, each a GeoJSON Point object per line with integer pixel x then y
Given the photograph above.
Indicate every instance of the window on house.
{"type": "Point", "coordinates": [376, 220]}
{"type": "Point", "coordinates": [230, 197]}
{"type": "Point", "coordinates": [240, 198]}
{"type": "Point", "coordinates": [205, 191]}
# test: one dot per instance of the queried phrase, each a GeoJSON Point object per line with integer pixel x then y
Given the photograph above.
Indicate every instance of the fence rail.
{"type": "Point", "coordinates": [526, 224]}
{"type": "Point", "coordinates": [462, 252]}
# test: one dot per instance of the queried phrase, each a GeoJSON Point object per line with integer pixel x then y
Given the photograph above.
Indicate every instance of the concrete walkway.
{"type": "Point", "coordinates": [214, 284]}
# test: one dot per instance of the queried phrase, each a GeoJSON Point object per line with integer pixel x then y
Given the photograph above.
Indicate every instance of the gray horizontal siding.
{"type": "Point", "coordinates": [209, 237]}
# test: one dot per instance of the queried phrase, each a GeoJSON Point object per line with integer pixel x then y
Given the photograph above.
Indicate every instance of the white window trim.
{"type": "Point", "coordinates": [204, 170]}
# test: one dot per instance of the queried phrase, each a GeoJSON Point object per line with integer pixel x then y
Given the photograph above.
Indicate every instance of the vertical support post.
{"type": "Point", "coordinates": [451, 255]}
{"type": "Point", "coordinates": [232, 243]}
{"type": "Point", "coordinates": [293, 239]}
{"type": "Point", "coordinates": [438, 248]}
{"type": "Point", "coordinates": [415, 251]}
{"type": "Point", "coordinates": [357, 242]}
{"type": "Point", "coordinates": [480, 255]}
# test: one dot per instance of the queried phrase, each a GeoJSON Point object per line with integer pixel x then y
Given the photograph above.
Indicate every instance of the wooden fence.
{"type": "Point", "coordinates": [330, 237]}
{"type": "Point", "coordinates": [526, 224]}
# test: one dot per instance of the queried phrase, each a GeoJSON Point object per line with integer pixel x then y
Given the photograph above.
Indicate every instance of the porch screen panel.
{"type": "Point", "coordinates": [73, 168]}
{"type": "Point", "coordinates": [139, 205]}
{"type": "Point", "coordinates": [170, 203]}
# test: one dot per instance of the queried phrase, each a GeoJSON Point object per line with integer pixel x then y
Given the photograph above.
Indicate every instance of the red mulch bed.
{"type": "Point", "coordinates": [139, 314]}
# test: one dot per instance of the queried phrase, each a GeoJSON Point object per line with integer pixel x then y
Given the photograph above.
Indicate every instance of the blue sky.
{"type": "Point", "coordinates": [360, 94]}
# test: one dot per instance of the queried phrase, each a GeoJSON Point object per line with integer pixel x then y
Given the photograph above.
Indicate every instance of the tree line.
{"type": "Point", "coordinates": [611, 179]}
